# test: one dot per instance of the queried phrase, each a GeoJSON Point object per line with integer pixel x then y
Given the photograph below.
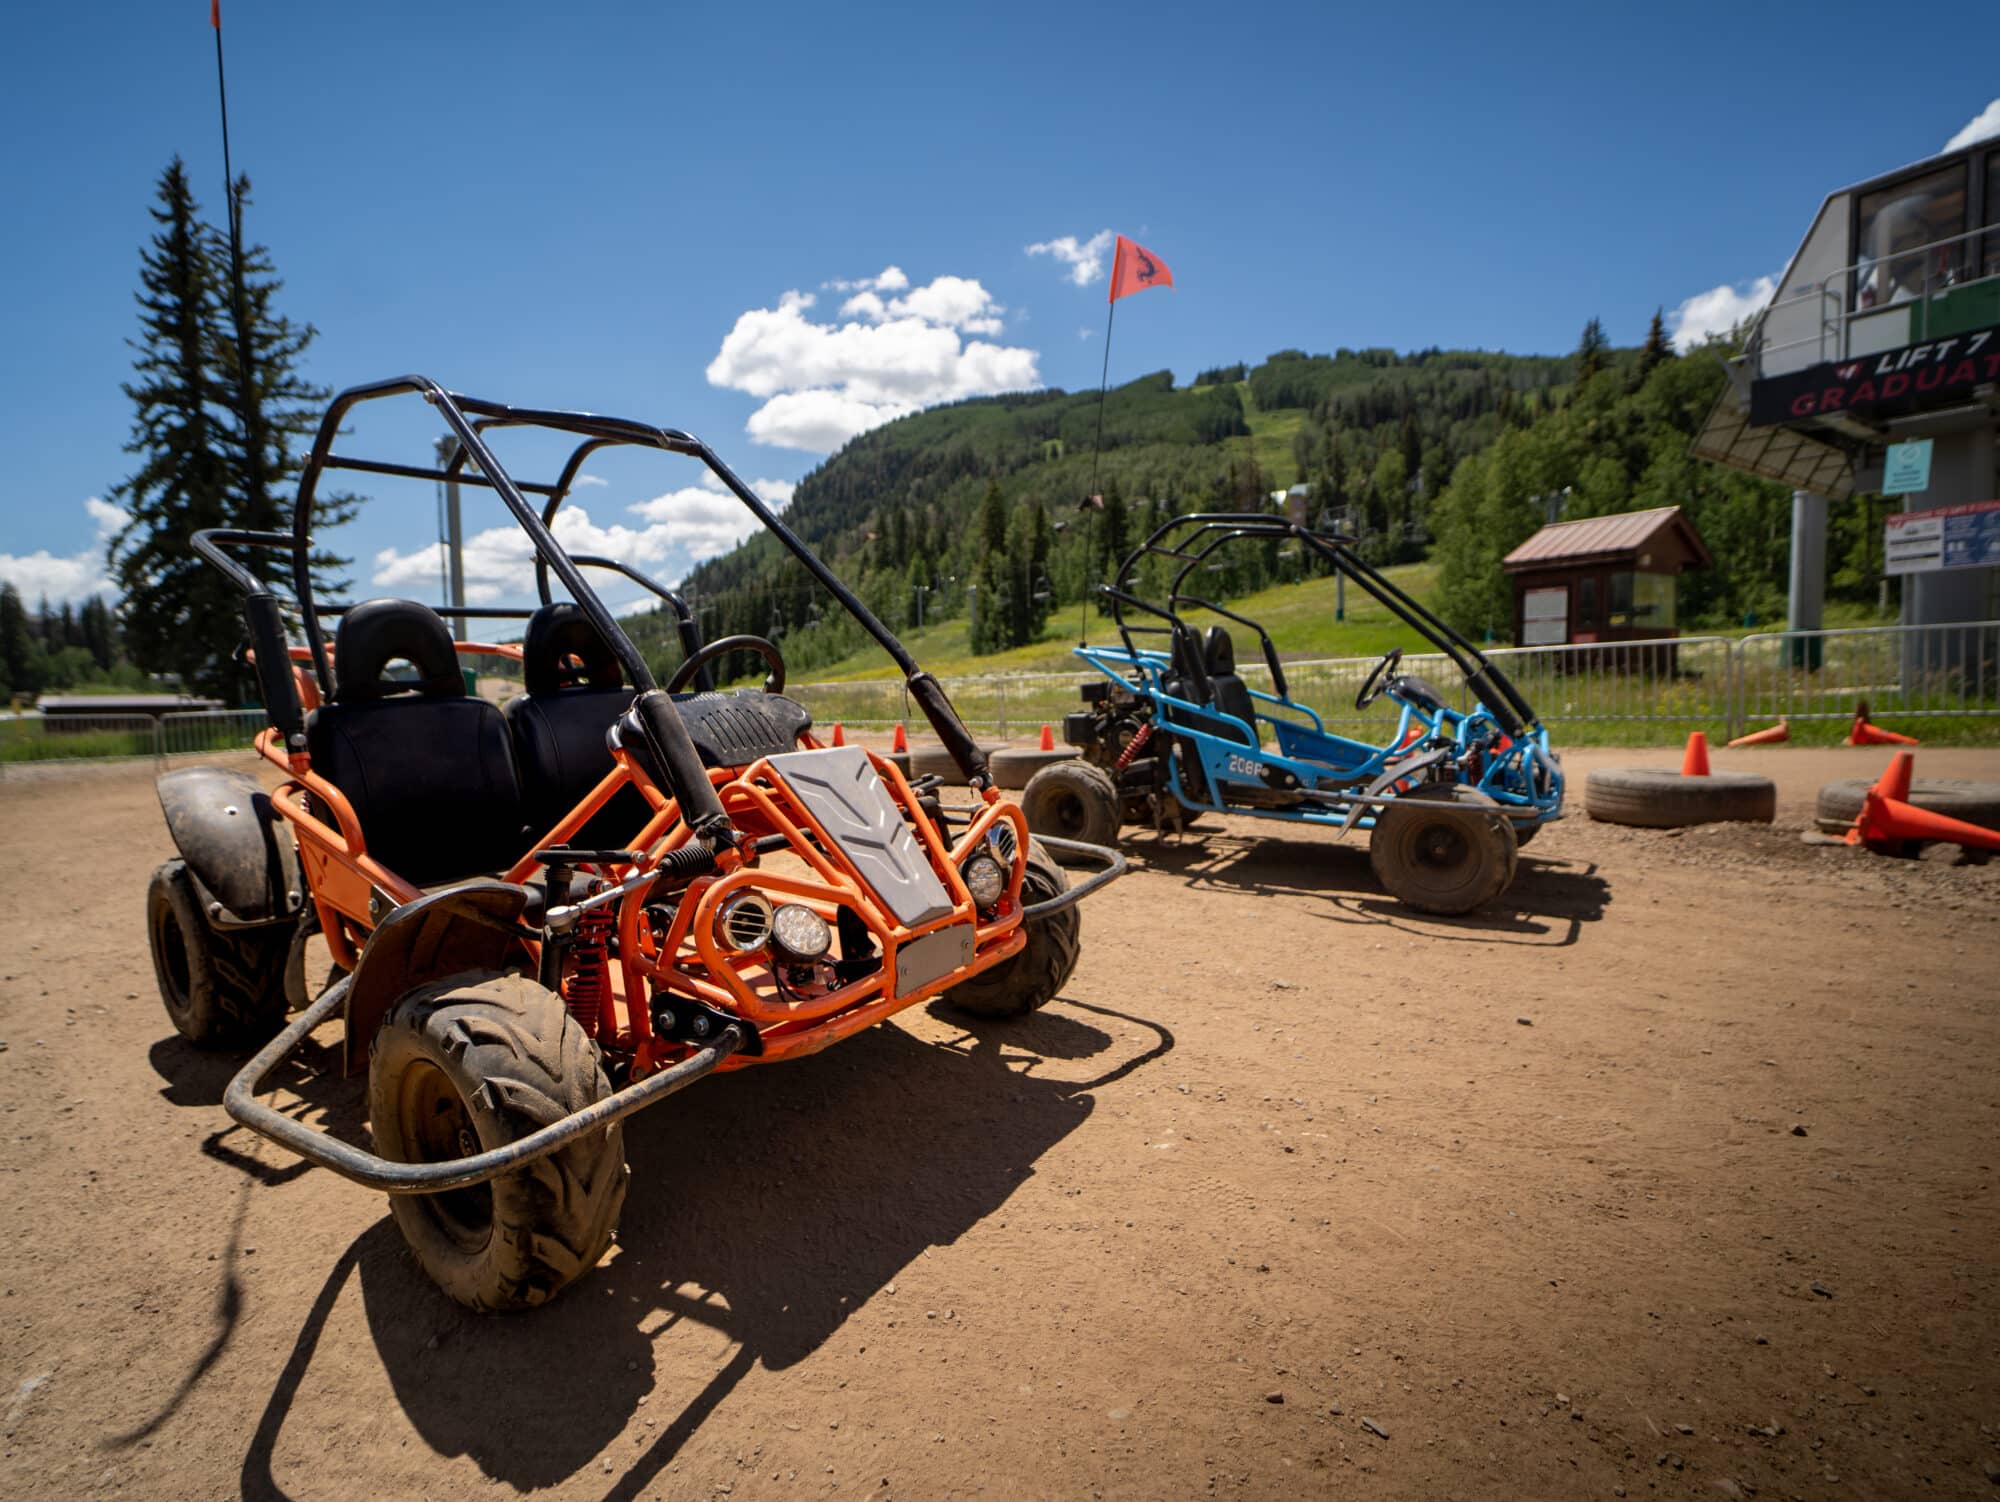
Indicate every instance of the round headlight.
{"type": "Point", "coordinates": [744, 924]}
{"type": "Point", "coordinates": [985, 878]}
{"type": "Point", "coordinates": [801, 932]}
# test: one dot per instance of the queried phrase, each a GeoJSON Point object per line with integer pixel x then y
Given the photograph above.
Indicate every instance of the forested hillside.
{"type": "Point", "coordinates": [979, 500]}
{"type": "Point", "coordinates": [1448, 455]}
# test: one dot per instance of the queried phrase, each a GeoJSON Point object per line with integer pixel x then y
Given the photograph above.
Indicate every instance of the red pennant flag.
{"type": "Point", "coordinates": [1135, 268]}
{"type": "Point", "coordinates": [215, 14]}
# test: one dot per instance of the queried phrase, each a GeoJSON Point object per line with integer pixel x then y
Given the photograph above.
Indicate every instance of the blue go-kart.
{"type": "Point", "coordinates": [1173, 733]}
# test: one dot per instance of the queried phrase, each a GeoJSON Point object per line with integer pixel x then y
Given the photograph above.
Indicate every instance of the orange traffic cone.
{"type": "Point", "coordinates": [1695, 763]}
{"type": "Point", "coordinates": [839, 736]}
{"type": "Point", "coordinates": [1048, 738]}
{"type": "Point", "coordinates": [1778, 732]}
{"type": "Point", "coordinates": [901, 742]}
{"type": "Point", "coordinates": [1895, 779]}
{"type": "Point", "coordinates": [1889, 820]}
{"type": "Point", "coordinates": [1862, 733]}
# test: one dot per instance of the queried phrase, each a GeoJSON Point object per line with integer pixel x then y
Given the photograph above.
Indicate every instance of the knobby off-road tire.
{"type": "Point", "coordinates": [1073, 800]}
{"type": "Point", "coordinates": [1442, 863]}
{"type": "Point", "coordinates": [470, 1064]}
{"type": "Point", "coordinates": [222, 988]}
{"type": "Point", "coordinates": [1016, 987]}
{"type": "Point", "coordinates": [1954, 797]}
{"type": "Point", "coordinates": [1655, 798]}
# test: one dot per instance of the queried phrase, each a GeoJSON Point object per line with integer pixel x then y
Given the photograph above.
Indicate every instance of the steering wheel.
{"type": "Point", "coordinates": [1379, 679]}
{"type": "Point", "coordinates": [774, 681]}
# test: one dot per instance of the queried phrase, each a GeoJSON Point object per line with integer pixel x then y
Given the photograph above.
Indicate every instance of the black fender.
{"type": "Point", "coordinates": [242, 857]}
{"type": "Point", "coordinates": [473, 927]}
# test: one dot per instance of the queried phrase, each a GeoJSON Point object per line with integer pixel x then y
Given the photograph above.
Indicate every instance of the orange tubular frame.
{"type": "Point", "coordinates": [353, 892]}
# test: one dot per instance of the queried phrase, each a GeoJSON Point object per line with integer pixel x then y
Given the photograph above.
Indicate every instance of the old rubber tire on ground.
{"type": "Point", "coordinates": [221, 987]}
{"type": "Point", "coordinates": [1439, 862]}
{"type": "Point", "coordinates": [1018, 986]}
{"type": "Point", "coordinates": [474, 1063]}
{"type": "Point", "coordinates": [1073, 800]}
{"type": "Point", "coordinates": [935, 761]}
{"type": "Point", "coordinates": [1954, 797]}
{"type": "Point", "coordinates": [1656, 798]}
{"type": "Point", "coordinates": [1014, 769]}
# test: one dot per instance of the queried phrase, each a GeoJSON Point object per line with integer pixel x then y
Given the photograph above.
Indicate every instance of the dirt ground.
{"type": "Point", "coordinates": [1673, 1176]}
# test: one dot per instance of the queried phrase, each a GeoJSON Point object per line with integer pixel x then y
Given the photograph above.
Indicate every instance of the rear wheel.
{"type": "Point", "coordinates": [1439, 862]}
{"type": "Point", "coordinates": [1028, 981]}
{"type": "Point", "coordinates": [467, 1065]}
{"type": "Point", "coordinates": [221, 987]}
{"type": "Point", "coordinates": [1073, 800]}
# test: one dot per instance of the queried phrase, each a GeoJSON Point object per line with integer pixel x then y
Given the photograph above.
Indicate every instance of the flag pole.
{"type": "Point", "coordinates": [228, 175]}
{"type": "Point", "coordinates": [1096, 450]}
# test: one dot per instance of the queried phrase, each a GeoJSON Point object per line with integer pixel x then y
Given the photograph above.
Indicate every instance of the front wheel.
{"type": "Point", "coordinates": [222, 988]}
{"type": "Point", "coordinates": [467, 1065]}
{"type": "Point", "coordinates": [1439, 862]}
{"type": "Point", "coordinates": [1073, 800]}
{"type": "Point", "coordinates": [1015, 987]}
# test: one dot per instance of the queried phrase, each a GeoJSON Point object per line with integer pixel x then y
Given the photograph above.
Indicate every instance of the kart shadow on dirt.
{"type": "Point", "coordinates": [196, 1077]}
{"type": "Point", "coordinates": [1547, 905]}
{"type": "Point", "coordinates": [762, 1215]}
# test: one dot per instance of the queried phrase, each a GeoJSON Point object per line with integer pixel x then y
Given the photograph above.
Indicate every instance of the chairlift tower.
{"type": "Point", "coordinates": [1885, 333]}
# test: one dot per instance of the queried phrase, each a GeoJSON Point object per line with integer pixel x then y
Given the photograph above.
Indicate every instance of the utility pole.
{"type": "Point", "coordinates": [454, 535]}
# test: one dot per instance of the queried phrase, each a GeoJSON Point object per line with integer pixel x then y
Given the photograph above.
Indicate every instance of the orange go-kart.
{"type": "Point", "coordinates": [544, 918]}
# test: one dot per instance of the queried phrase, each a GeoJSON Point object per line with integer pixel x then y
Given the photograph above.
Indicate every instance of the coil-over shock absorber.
{"type": "Point", "coordinates": [586, 987]}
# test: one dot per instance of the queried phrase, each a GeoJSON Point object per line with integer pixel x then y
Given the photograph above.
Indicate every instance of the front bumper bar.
{"type": "Point", "coordinates": [1114, 867]}
{"type": "Point", "coordinates": [365, 1168]}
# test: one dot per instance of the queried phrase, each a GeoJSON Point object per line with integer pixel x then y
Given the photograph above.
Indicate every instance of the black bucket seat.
{"type": "Point", "coordinates": [428, 769]}
{"type": "Point", "coordinates": [575, 692]}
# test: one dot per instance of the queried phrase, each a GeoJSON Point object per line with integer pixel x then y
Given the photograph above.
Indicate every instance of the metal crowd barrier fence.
{"type": "Point", "coordinates": [83, 737]}
{"type": "Point", "coordinates": [1951, 671]}
{"type": "Point", "coordinates": [1632, 693]}
{"type": "Point", "coordinates": [206, 732]}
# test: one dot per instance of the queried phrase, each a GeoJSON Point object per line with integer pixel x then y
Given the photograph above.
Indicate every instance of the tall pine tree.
{"type": "Point", "coordinates": [1655, 349]}
{"type": "Point", "coordinates": [180, 615]}
{"type": "Point", "coordinates": [1590, 352]}
{"type": "Point", "coordinates": [221, 412]}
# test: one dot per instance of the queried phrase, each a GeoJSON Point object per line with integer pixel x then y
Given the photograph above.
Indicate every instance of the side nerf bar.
{"type": "Point", "coordinates": [365, 1168]}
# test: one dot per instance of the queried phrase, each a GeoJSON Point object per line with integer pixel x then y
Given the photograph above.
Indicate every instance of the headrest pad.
{"type": "Point", "coordinates": [1219, 651]}
{"type": "Point", "coordinates": [376, 633]}
{"type": "Point", "coordinates": [556, 633]}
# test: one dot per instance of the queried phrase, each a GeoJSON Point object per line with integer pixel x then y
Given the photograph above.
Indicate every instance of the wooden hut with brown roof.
{"type": "Point", "coordinates": [1603, 578]}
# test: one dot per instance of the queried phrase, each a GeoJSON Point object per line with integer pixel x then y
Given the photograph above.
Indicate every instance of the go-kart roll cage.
{"type": "Point", "coordinates": [1193, 538]}
{"type": "Point", "coordinates": [472, 462]}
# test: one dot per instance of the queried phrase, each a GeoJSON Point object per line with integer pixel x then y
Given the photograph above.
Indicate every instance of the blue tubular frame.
{"type": "Point", "coordinates": [1500, 748]}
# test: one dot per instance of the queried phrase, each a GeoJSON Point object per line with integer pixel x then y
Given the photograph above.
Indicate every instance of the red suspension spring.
{"type": "Point", "coordinates": [1135, 745]}
{"type": "Point", "coordinates": [587, 978]}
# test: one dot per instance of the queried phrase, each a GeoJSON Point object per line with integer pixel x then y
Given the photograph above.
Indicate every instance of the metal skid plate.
{"type": "Point", "coordinates": [924, 960]}
{"type": "Point", "coordinates": [841, 789]}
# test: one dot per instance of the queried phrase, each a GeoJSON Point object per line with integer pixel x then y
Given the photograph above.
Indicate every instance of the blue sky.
{"type": "Point", "coordinates": [606, 206]}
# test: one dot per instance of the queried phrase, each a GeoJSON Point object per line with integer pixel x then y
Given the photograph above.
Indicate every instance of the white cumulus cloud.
{"type": "Point", "coordinates": [1718, 310]}
{"type": "Point", "coordinates": [1978, 128]}
{"type": "Point", "coordinates": [1085, 258]}
{"type": "Point", "coordinates": [74, 576]}
{"type": "Point", "coordinates": [677, 530]}
{"type": "Point", "coordinates": [881, 358]}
